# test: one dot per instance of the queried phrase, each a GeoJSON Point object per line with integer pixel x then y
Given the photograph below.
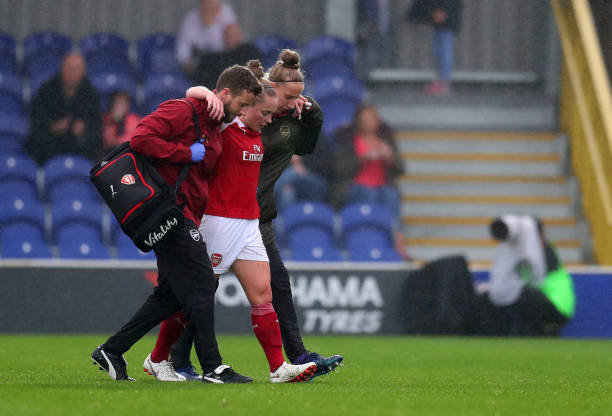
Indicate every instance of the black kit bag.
{"type": "Point", "coordinates": [141, 200]}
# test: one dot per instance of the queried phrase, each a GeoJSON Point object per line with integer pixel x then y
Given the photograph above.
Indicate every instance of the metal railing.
{"type": "Point", "coordinates": [586, 116]}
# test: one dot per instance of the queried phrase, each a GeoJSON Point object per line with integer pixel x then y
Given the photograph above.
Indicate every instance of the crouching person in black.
{"type": "Point", "coordinates": [531, 293]}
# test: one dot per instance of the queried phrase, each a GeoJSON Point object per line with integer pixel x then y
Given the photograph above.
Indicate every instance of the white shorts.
{"type": "Point", "coordinates": [231, 239]}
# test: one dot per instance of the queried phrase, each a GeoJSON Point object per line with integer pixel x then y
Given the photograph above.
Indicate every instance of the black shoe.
{"type": "Point", "coordinates": [114, 365]}
{"type": "Point", "coordinates": [225, 374]}
{"type": "Point", "coordinates": [324, 364]}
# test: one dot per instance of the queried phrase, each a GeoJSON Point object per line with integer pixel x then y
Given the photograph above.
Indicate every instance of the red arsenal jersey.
{"type": "Point", "coordinates": [233, 187]}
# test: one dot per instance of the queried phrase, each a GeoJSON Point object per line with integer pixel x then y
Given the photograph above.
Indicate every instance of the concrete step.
{"type": "Point", "coordinates": [480, 142]}
{"type": "Point", "coordinates": [473, 206]}
{"type": "Point", "coordinates": [563, 229]}
{"type": "Point", "coordinates": [415, 165]}
{"type": "Point", "coordinates": [421, 185]}
{"type": "Point", "coordinates": [425, 253]}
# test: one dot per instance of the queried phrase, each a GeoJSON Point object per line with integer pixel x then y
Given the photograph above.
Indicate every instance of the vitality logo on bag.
{"type": "Point", "coordinates": [155, 237]}
{"type": "Point", "coordinates": [128, 179]}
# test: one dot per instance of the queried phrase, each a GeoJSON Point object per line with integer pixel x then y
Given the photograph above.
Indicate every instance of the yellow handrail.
{"type": "Point", "coordinates": [586, 116]}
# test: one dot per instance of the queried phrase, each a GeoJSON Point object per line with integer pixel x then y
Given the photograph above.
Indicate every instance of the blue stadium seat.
{"type": "Point", "coordinates": [270, 47]}
{"type": "Point", "coordinates": [326, 49]}
{"type": "Point", "coordinates": [157, 54]}
{"type": "Point", "coordinates": [321, 69]}
{"type": "Point", "coordinates": [308, 213]}
{"type": "Point", "coordinates": [23, 240]}
{"type": "Point", "coordinates": [336, 117]}
{"type": "Point", "coordinates": [11, 145]}
{"type": "Point", "coordinates": [159, 88]}
{"type": "Point", "coordinates": [359, 214]}
{"type": "Point", "coordinates": [316, 253]}
{"type": "Point", "coordinates": [106, 52]}
{"type": "Point", "coordinates": [375, 254]}
{"type": "Point", "coordinates": [8, 54]}
{"type": "Point", "coordinates": [367, 236]}
{"type": "Point", "coordinates": [80, 249]}
{"type": "Point", "coordinates": [78, 188]}
{"type": "Point", "coordinates": [25, 210]}
{"type": "Point", "coordinates": [339, 88]}
{"type": "Point", "coordinates": [44, 51]}
{"type": "Point", "coordinates": [76, 211]}
{"type": "Point", "coordinates": [367, 226]}
{"type": "Point", "coordinates": [309, 236]}
{"type": "Point", "coordinates": [126, 250]}
{"type": "Point", "coordinates": [18, 188]}
{"type": "Point", "coordinates": [19, 231]}
{"type": "Point", "coordinates": [26, 249]}
{"type": "Point", "coordinates": [73, 167]}
{"type": "Point", "coordinates": [18, 167]}
{"type": "Point", "coordinates": [14, 125]}
{"type": "Point", "coordinates": [108, 83]}
{"type": "Point", "coordinates": [11, 93]}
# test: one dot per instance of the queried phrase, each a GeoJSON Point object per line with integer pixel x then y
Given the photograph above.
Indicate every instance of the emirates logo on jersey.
{"type": "Point", "coordinates": [216, 259]}
{"type": "Point", "coordinates": [128, 179]}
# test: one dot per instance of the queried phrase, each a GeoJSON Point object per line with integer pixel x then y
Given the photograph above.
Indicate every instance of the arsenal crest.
{"type": "Point", "coordinates": [195, 234]}
{"type": "Point", "coordinates": [284, 131]}
{"type": "Point", "coordinates": [216, 259]}
{"type": "Point", "coordinates": [128, 179]}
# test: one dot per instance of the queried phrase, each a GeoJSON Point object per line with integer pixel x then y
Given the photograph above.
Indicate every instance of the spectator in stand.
{"type": "Point", "coordinates": [373, 35]}
{"type": "Point", "coordinates": [210, 65]}
{"type": "Point", "coordinates": [202, 31]}
{"type": "Point", "coordinates": [299, 183]}
{"type": "Point", "coordinates": [445, 17]}
{"type": "Point", "coordinates": [65, 115]}
{"type": "Point", "coordinates": [119, 122]}
{"type": "Point", "coordinates": [367, 165]}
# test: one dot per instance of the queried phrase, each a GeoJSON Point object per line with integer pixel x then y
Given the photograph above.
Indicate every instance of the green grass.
{"type": "Point", "coordinates": [53, 375]}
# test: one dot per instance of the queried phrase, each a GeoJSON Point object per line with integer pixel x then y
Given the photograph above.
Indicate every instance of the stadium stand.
{"type": "Point", "coordinates": [11, 93]}
{"type": "Point", "coordinates": [8, 54]}
{"type": "Point", "coordinates": [326, 55]}
{"type": "Point", "coordinates": [106, 52]}
{"type": "Point", "coordinates": [159, 88]}
{"type": "Point", "coordinates": [108, 83]}
{"type": "Point", "coordinates": [157, 55]}
{"type": "Point", "coordinates": [271, 45]}
{"type": "Point", "coordinates": [42, 56]}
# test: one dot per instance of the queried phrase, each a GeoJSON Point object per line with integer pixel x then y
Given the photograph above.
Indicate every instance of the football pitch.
{"type": "Point", "coordinates": [53, 375]}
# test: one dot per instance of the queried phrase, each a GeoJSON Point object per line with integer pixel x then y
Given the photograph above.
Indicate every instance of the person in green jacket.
{"type": "Point", "coordinates": [528, 283]}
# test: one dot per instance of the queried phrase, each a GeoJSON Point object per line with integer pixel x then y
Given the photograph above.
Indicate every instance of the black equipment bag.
{"type": "Point", "coordinates": [141, 200]}
{"type": "Point", "coordinates": [439, 298]}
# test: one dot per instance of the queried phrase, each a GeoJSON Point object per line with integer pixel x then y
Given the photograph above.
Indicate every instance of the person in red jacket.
{"type": "Point", "coordinates": [186, 279]}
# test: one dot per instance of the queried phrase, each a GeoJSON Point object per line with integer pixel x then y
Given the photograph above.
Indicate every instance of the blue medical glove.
{"type": "Point", "coordinates": [197, 152]}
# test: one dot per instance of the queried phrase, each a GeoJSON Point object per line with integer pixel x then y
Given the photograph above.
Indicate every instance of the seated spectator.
{"type": "Point", "coordinates": [120, 122]}
{"type": "Point", "coordinates": [202, 31]}
{"type": "Point", "coordinates": [532, 292]}
{"type": "Point", "coordinates": [65, 115]}
{"type": "Point", "coordinates": [367, 165]}
{"type": "Point", "coordinates": [298, 183]}
{"type": "Point", "coordinates": [237, 51]}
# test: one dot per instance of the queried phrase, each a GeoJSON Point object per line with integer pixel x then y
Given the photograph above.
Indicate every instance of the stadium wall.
{"type": "Point", "coordinates": [348, 298]}
{"type": "Point", "coordinates": [496, 36]}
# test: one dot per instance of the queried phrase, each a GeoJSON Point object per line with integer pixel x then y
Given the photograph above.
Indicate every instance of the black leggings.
{"type": "Point", "coordinates": [282, 300]}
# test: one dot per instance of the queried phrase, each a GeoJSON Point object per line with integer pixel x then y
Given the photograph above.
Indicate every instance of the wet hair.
{"type": "Point", "coordinates": [287, 68]}
{"type": "Point", "coordinates": [238, 79]}
{"type": "Point", "coordinates": [267, 89]}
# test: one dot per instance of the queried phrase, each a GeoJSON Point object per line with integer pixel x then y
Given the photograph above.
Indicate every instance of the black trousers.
{"type": "Point", "coordinates": [185, 281]}
{"type": "Point", "coordinates": [282, 300]}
